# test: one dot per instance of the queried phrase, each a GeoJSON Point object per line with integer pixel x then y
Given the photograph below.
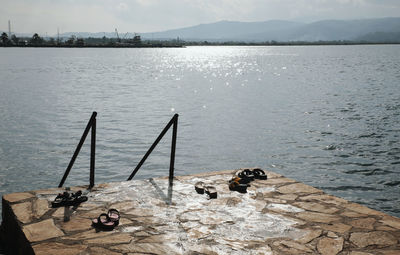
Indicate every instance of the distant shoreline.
{"type": "Point", "coordinates": [207, 44]}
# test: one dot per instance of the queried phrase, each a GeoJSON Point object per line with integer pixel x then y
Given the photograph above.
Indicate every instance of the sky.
{"type": "Point", "coordinates": [46, 16]}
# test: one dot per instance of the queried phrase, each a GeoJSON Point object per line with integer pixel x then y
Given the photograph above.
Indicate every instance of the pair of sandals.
{"type": "Point", "coordinates": [240, 181]}
{"type": "Point", "coordinates": [68, 199]}
{"type": "Point", "coordinates": [250, 175]}
{"type": "Point", "coordinates": [202, 188]}
{"type": "Point", "coordinates": [107, 221]}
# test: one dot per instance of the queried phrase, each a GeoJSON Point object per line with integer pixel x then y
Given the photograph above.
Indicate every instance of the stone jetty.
{"type": "Point", "coordinates": [276, 216]}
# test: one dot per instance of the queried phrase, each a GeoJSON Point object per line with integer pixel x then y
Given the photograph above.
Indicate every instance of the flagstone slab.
{"type": "Point", "coordinates": [380, 238]}
{"type": "Point", "coordinates": [15, 197]}
{"type": "Point", "coordinates": [41, 231]}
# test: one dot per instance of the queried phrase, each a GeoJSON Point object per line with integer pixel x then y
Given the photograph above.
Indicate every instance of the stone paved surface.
{"type": "Point", "coordinates": [276, 216]}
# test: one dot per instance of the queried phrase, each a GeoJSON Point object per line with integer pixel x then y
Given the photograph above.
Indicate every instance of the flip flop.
{"type": "Point", "coordinates": [259, 174]}
{"type": "Point", "coordinates": [211, 191]}
{"type": "Point", "coordinates": [104, 222]}
{"type": "Point", "coordinates": [199, 187]}
{"type": "Point", "coordinates": [114, 216]}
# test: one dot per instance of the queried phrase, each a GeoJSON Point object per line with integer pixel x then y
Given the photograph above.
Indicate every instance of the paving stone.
{"type": "Point", "coordinates": [293, 245]}
{"type": "Point", "coordinates": [287, 197]}
{"type": "Point", "coordinates": [360, 253]}
{"type": "Point", "coordinates": [352, 214]}
{"type": "Point", "coordinates": [75, 224]}
{"type": "Point", "coordinates": [325, 198]}
{"type": "Point", "coordinates": [385, 228]}
{"type": "Point", "coordinates": [93, 233]}
{"type": "Point", "coordinates": [391, 221]}
{"type": "Point", "coordinates": [390, 252]}
{"type": "Point", "coordinates": [311, 235]}
{"type": "Point", "coordinates": [102, 251]}
{"type": "Point", "coordinates": [146, 248]}
{"type": "Point", "coordinates": [111, 239]}
{"type": "Point", "coordinates": [363, 209]}
{"type": "Point", "coordinates": [316, 207]}
{"type": "Point", "coordinates": [15, 197]}
{"type": "Point", "coordinates": [40, 207]}
{"type": "Point", "coordinates": [59, 249]}
{"type": "Point", "coordinates": [317, 217]}
{"type": "Point", "coordinates": [41, 231]}
{"type": "Point", "coordinates": [331, 234]}
{"type": "Point", "coordinates": [297, 188]}
{"type": "Point", "coordinates": [336, 227]}
{"type": "Point", "coordinates": [23, 211]}
{"type": "Point", "coordinates": [379, 238]}
{"type": "Point", "coordinates": [58, 213]}
{"type": "Point", "coordinates": [330, 246]}
{"type": "Point", "coordinates": [275, 181]}
{"type": "Point", "coordinates": [366, 223]}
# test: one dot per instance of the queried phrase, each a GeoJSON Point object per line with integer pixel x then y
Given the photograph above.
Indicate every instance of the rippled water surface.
{"type": "Point", "coordinates": [328, 116]}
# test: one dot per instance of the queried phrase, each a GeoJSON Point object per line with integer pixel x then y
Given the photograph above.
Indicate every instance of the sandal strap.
{"type": "Point", "coordinates": [112, 210]}
{"type": "Point", "coordinates": [99, 218]}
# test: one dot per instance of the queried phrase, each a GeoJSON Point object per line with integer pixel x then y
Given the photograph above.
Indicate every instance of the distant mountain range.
{"type": "Point", "coordinates": [372, 30]}
{"type": "Point", "coordinates": [279, 30]}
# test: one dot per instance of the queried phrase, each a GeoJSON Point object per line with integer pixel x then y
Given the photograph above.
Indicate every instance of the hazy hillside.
{"type": "Point", "coordinates": [282, 30]}
{"type": "Point", "coordinates": [374, 30]}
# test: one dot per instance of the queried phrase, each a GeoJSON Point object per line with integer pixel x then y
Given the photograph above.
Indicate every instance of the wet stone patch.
{"type": "Point", "coordinates": [275, 216]}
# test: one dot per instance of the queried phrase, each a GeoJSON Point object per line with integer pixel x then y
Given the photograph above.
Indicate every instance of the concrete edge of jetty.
{"type": "Point", "coordinates": [276, 216]}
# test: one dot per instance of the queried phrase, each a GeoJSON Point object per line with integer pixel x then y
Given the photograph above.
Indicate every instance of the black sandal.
{"type": "Point", "coordinates": [104, 222]}
{"type": "Point", "coordinates": [259, 174]}
{"type": "Point", "coordinates": [68, 199]}
{"type": "Point", "coordinates": [114, 216]}
{"type": "Point", "coordinates": [236, 184]}
{"type": "Point", "coordinates": [246, 175]}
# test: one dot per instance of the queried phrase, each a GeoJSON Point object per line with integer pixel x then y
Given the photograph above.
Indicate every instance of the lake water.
{"type": "Point", "coordinates": [325, 115]}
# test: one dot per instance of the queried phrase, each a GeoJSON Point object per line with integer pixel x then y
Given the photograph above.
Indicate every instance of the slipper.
{"type": "Point", "coordinates": [114, 216]}
{"type": "Point", "coordinates": [104, 222]}
{"type": "Point", "coordinates": [259, 174]}
{"type": "Point", "coordinates": [236, 185]}
{"type": "Point", "coordinates": [211, 191]}
{"type": "Point", "coordinates": [199, 187]}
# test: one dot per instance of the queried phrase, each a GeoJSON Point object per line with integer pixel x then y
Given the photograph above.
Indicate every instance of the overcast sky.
{"type": "Point", "coordinates": [45, 16]}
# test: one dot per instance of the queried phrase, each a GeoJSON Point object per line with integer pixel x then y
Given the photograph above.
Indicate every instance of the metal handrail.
{"type": "Point", "coordinates": [91, 125]}
{"type": "Point", "coordinates": [174, 122]}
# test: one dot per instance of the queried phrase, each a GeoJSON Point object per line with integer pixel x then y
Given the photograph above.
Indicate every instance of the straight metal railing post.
{"type": "Point", "coordinates": [92, 153]}
{"type": "Point", "coordinates": [173, 147]}
{"type": "Point", "coordinates": [78, 148]}
{"type": "Point", "coordinates": [152, 147]}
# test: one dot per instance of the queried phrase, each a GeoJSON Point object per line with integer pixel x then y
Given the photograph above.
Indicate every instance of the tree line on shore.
{"type": "Point", "coordinates": [73, 41]}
